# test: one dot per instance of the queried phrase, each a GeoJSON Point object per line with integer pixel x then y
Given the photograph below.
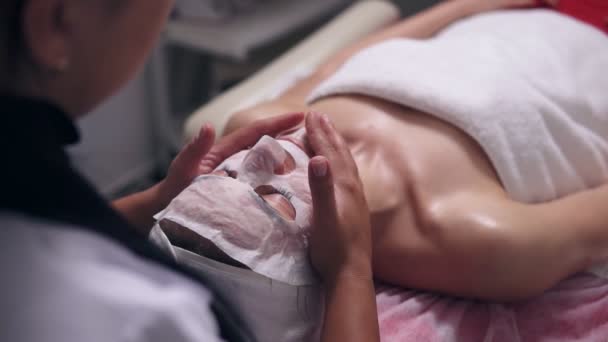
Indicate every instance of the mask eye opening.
{"type": "Point", "coordinates": [266, 190]}
{"type": "Point", "coordinates": [277, 200]}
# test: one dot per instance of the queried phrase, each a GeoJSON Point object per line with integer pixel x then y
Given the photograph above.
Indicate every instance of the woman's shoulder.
{"type": "Point", "coordinates": [57, 275]}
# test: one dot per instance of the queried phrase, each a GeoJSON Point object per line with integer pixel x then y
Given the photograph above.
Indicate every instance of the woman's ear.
{"type": "Point", "coordinates": [46, 34]}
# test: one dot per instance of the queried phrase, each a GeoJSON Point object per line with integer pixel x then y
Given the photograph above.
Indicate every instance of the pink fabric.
{"type": "Point", "coordinates": [575, 310]}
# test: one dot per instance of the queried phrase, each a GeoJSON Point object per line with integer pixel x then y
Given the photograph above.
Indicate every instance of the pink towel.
{"type": "Point", "coordinates": [575, 310]}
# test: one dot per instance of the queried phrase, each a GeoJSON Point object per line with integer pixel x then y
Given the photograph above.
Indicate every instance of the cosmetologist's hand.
{"type": "Point", "coordinates": [340, 242]}
{"type": "Point", "coordinates": [201, 156]}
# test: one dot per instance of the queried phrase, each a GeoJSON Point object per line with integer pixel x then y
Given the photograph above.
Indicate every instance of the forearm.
{"type": "Point", "coordinates": [139, 208]}
{"type": "Point", "coordinates": [583, 218]}
{"type": "Point", "coordinates": [350, 313]}
{"type": "Point", "coordinates": [475, 273]}
{"type": "Point", "coordinates": [553, 240]}
{"type": "Point", "coordinates": [492, 250]}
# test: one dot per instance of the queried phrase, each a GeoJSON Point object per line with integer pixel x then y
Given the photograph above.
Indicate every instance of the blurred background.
{"type": "Point", "coordinates": [208, 46]}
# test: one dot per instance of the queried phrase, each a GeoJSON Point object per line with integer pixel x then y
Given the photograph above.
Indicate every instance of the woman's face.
{"type": "Point", "coordinates": [116, 45]}
{"type": "Point", "coordinates": [105, 42]}
{"type": "Point", "coordinates": [256, 208]}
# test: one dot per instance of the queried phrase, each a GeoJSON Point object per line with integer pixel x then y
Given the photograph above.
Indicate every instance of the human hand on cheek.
{"type": "Point", "coordinates": [198, 157]}
{"type": "Point", "coordinates": [340, 241]}
{"type": "Point", "coordinates": [202, 156]}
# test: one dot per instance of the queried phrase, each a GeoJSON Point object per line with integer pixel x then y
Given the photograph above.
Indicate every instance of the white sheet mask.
{"type": "Point", "coordinates": [256, 167]}
{"type": "Point", "coordinates": [228, 211]}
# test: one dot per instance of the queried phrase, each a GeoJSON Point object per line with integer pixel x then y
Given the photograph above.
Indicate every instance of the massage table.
{"type": "Point", "coordinates": [561, 314]}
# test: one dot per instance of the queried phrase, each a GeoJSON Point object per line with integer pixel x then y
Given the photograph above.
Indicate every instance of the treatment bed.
{"type": "Point", "coordinates": [561, 314]}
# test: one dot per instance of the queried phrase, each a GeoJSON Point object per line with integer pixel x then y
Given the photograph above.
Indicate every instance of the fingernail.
{"type": "Point", "coordinates": [325, 119]}
{"type": "Point", "coordinates": [203, 131]}
{"type": "Point", "coordinates": [320, 168]}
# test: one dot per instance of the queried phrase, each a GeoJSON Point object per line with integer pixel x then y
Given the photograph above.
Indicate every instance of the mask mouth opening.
{"type": "Point", "coordinates": [187, 239]}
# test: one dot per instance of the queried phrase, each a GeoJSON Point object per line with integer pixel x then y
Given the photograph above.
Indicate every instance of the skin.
{"type": "Point", "coordinates": [76, 53]}
{"type": "Point", "coordinates": [340, 242]}
{"type": "Point", "coordinates": [340, 214]}
{"type": "Point", "coordinates": [79, 46]}
{"type": "Point", "coordinates": [473, 240]}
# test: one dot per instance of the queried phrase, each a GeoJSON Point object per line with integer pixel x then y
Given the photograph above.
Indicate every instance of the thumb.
{"type": "Point", "coordinates": [322, 192]}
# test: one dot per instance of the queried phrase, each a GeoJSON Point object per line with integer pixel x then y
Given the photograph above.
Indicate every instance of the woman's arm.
{"type": "Point", "coordinates": [482, 246]}
{"type": "Point", "coordinates": [340, 241]}
{"type": "Point", "coordinates": [139, 208]}
{"type": "Point", "coordinates": [350, 310]}
{"type": "Point", "coordinates": [581, 217]}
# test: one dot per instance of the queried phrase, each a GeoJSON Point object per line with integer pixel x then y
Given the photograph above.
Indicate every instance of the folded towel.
{"type": "Point", "coordinates": [530, 86]}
